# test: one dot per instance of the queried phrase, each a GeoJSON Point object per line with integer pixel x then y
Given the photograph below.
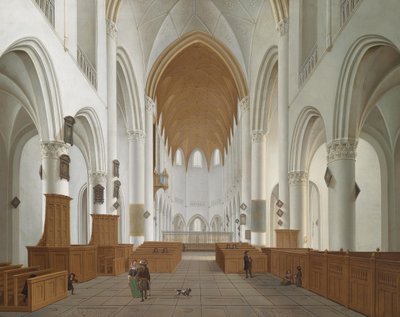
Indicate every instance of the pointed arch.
{"type": "Point", "coordinates": [266, 80]}
{"type": "Point", "coordinates": [179, 223]}
{"type": "Point", "coordinates": [185, 41]}
{"type": "Point", "coordinates": [131, 102]}
{"type": "Point", "coordinates": [308, 135]}
{"type": "Point", "coordinates": [45, 108]}
{"type": "Point", "coordinates": [202, 219]}
{"type": "Point", "coordinates": [345, 104]}
{"type": "Point", "coordinates": [90, 138]}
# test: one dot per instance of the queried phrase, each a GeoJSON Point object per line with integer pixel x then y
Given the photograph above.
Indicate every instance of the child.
{"type": "Point", "coordinates": [71, 279]}
{"type": "Point", "coordinates": [287, 280]}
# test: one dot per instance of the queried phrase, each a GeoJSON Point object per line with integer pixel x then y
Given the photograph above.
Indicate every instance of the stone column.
{"type": "Point", "coordinates": [112, 197]}
{"type": "Point", "coordinates": [258, 189]}
{"type": "Point", "coordinates": [149, 199]}
{"type": "Point", "coordinates": [52, 180]}
{"type": "Point", "coordinates": [341, 165]}
{"type": "Point", "coordinates": [136, 186]}
{"type": "Point", "coordinates": [96, 194]}
{"type": "Point", "coordinates": [298, 181]}
{"type": "Point", "coordinates": [245, 195]}
{"type": "Point", "coordinates": [283, 120]}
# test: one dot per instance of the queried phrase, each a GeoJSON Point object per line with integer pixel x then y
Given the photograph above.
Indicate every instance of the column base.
{"type": "Point", "coordinates": [258, 238]}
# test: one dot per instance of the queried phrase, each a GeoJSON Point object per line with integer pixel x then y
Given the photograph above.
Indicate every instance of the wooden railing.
{"type": "Point", "coordinates": [47, 7]}
{"type": "Point", "coordinates": [367, 282]}
{"type": "Point", "coordinates": [87, 67]}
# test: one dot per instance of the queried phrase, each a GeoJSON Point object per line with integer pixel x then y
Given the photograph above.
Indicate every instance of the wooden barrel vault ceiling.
{"type": "Point", "coordinates": [197, 101]}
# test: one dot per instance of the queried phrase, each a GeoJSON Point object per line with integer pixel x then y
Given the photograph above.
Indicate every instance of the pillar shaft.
{"type": "Point", "coordinates": [298, 181]}
{"type": "Point", "coordinates": [149, 200]}
{"type": "Point", "coordinates": [246, 167]}
{"type": "Point", "coordinates": [283, 120]}
{"type": "Point", "coordinates": [258, 188]}
{"type": "Point", "coordinates": [97, 201]}
{"type": "Point", "coordinates": [111, 112]}
{"type": "Point", "coordinates": [136, 186]}
{"type": "Point", "coordinates": [341, 164]}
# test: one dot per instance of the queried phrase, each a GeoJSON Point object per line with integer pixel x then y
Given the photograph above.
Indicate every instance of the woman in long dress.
{"type": "Point", "coordinates": [133, 281]}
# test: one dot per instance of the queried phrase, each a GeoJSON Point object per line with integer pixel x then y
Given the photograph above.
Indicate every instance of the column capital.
{"type": "Point", "coordinates": [136, 135]}
{"type": "Point", "coordinates": [98, 177]}
{"type": "Point", "coordinates": [258, 136]}
{"type": "Point", "coordinates": [150, 104]}
{"type": "Point", "coordinates": [53, 149]}
{"type": "Point", "coordinates": [342, 150]}
{"type": "Point", "coordinates": [283, 26]}
{"type": "Point", "coordinates": [244, 104]}
{"type": "Point", "coordinates": [112, 30]}
{"type": "Point", "coordinates": [298, 177]}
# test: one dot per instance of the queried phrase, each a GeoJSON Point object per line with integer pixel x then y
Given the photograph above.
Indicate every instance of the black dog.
{"type": "Point", "coordinates": [184, 292]}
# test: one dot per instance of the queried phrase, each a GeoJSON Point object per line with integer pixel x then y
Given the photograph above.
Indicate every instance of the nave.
{"type": "Point", "coordinates": [214, 294]}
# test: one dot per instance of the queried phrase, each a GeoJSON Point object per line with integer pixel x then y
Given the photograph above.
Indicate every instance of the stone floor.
{"type": "Point", "coordinates": [214, 294]}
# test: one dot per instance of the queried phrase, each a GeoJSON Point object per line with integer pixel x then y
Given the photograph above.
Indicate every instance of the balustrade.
{"type": "Point", "coordinates": [87, 67]}
{"type": "Point", "coordinates": [47, 7]}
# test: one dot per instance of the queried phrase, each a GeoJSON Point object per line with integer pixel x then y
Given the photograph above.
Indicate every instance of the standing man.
{"type": "Point", "coordinates": [143, 277]}
{"type": "Point", "coordinates": [248, 261]}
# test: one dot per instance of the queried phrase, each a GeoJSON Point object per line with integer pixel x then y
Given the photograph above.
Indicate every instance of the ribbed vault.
{"type": "Point", "coordinates": [197, 98]}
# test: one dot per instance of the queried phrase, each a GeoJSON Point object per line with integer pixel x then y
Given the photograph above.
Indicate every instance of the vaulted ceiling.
{"type": "Point", "coordinates": [197, 99]}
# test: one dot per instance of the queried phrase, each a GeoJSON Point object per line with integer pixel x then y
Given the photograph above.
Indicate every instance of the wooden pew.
{"type": "Point", "coordinates": [367, 282]}
{"type": "Point", "coordinates": [229, 257]}
{"type": "Point", "coordinates": [4, 263]}
{"type": "Point", "coordinates": [162, 257]}
{"type": "Point", "coordinates": [16, 283]}
{"type": "Point", "coordinates": [5, 283]}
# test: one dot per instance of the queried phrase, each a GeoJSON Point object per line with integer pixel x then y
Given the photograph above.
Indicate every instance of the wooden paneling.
{"type": "Point", "coordinates": [366, 282]}
{"type": "Point", "coordinates": [229, 257]}
{"type": "Point", "coordinates": [57, 227]}
{"type": "Point", "coordinates": [286, 238]}
{"type": "Point", "coordinates": [104, 230]}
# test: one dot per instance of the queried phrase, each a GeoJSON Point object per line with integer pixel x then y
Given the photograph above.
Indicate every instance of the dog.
{"type": "Point", "coordinates": [184, 292]}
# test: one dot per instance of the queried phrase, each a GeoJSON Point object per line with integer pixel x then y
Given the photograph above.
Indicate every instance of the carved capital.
{"type": "Point", "coordinates": [150, 104]}
{"type": "Point", "coordinates": [283, 26]}
{"type": "Point", "coordinates": [112, 30]}
{"type": "Point", "coordinates": [53, 149]}
{"type": "Point", "coordinates": [298, 177]}
{"type": "Point", "coordinates": [244, 104]}
{"type": "Point", "coordinates": [342, 150]}
{"type": "Point", "coordinates": [258, 136]}
{"type": "Point", "coordinates": [136, 135]}
{"type": "Point", "coordinates": [98, 177]}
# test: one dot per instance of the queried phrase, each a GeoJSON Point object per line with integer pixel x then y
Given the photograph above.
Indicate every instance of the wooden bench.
{"type": "Point", "coordinates": [162, 257]}
{"type": "Point", "coordinates": [5, 283]}
{"type": "Point", "coordinates": [230, 258]}
{"type": "Point", "coordinates": [113, 260]}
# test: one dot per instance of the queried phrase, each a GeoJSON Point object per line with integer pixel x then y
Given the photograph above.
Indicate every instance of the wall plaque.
{"type": "Point", "coordinates": [247, 234]}
{"type": "Point", "coordinates": [117, 185]}
{"type": "Point", "coordinates": [68, 130]}
{"type": "Point", "coordinates": [98, 194]}
{"type": "Point", "coordinates": [116, 168]}
{"type": "Point", "coordinates": [64, 166]}
{"type": "Point", "coordinates": [15, 202]}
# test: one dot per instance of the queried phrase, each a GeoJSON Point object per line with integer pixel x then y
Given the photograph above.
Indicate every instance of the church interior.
{"type": "Point", "coordinates": [186, 132]}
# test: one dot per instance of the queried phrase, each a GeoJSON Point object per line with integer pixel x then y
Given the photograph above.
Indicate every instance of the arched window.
{"type": "Point", "coordinates": [217, 158]}
{"type": "Point", "coordinates": [178, 158]}
{"type": "Point", "coordinates": [197, 161]}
